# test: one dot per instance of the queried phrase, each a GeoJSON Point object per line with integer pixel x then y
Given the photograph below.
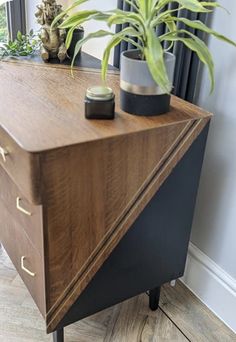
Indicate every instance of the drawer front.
{"type": "Point", "coordinates": [21, 166]}
{"type": "Point", "coordinates": [24, 256]}
{"type": "Point", "coordinates": [28, 216]}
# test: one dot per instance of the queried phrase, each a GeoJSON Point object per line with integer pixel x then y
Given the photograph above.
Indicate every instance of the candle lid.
{"type": "Point", "coordinates": [100, 93]}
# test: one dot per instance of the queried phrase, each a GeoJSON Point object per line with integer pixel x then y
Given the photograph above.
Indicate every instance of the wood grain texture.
{"type": "Point", "coordinates": [22, 167]}
{"type": "Point", "coordinates": [132, 177]}
{"type": "Point", "coordinates": [132, 320]}
{"type": "Point", "coordinates": [92, 178]}
{"type": "Point", "coordinates": [108, 175]}
{"type": "Point", "coordinates": [197, 322]}
{"type": "Point", "coordinates": [32, 225]}
{"type": "Point", "coordinates": [46, 110]}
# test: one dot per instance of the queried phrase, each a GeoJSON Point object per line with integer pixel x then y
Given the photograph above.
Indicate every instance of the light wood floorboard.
{"type": "Point", "coordinates": [181, 317]}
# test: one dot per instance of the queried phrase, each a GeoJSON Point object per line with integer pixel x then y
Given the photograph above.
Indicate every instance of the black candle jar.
{"type": "Point", "coordinates": [100, 103]}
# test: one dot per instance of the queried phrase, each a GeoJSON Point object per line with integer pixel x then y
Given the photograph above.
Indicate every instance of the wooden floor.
{"type": "Point", "coordinates": [181, 317]}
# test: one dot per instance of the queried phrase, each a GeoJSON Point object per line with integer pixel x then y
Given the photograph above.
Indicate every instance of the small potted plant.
{"type": "Point", "coordinates": [24, 45]}
{"type": "Point", "coordinates": [147, 73]}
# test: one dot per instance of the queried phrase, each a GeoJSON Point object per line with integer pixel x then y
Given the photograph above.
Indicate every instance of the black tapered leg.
{"type": "Point", "coordinates": [154, 297]}
{"type": "Point", "coordinates": [58, 335]}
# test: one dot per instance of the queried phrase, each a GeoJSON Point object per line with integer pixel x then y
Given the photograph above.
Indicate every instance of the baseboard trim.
{"type": "Point", "coordinates": [212, 285]}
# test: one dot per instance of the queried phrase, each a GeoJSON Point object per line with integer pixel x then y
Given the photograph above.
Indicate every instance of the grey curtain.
{"type": "Point", "coordinates": [187, 63]}
{"type": "Point", "coordinates": [16, 15]}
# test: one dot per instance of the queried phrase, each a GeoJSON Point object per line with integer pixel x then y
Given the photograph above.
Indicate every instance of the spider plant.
{"type": "Point", "coordinates": [141, 32]}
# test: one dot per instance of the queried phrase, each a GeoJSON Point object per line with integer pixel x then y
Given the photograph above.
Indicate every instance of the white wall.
{"type": "Point", "coordinates": [212, 274]}
{"type": "Point", "coordinates": [214, 229]}
{"type": "Point", "coordinates": [30, 10]}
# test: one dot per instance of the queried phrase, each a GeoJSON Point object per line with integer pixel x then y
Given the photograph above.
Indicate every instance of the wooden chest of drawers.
{"type": "Point", "coordinates": [27, 259]}
{"type": "Point", "coordinates": [71, 188]}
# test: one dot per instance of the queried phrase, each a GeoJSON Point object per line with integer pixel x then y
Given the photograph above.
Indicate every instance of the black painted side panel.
{"type": "Point", "coordinates": [154, 250]}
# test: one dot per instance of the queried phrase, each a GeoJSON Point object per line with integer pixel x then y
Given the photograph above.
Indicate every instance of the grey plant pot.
{"type": "Point", "coordinates": [140, 95]}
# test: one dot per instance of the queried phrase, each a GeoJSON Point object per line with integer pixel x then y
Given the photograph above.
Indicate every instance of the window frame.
{"type": "Point", "coordinates": [16, 17]}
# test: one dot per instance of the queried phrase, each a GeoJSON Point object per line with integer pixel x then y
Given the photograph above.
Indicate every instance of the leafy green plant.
{"type": "Point", "coordinates": [141, 32]}
{"type": "Point", "coordinates": [23, 45]}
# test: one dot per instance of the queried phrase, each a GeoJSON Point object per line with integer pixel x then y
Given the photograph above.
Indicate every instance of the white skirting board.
{"type": "Point", "coordinates": [212, 285]}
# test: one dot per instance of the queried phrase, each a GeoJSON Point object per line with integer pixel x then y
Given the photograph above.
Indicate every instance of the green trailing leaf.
{"type": "Point", "coordinates": [198, 25]}
{"type": "Point", "coordinates": [198, 46]}
{"type": "Point", "coordinates": [155, 59]}
{"type": "Point", "coordinates": [213, 4]}
{"type": "Point", "coordinates": [170, 23]}
{"type": "Point", "coordinates": [116, 39]}
{"type": "Point", "coordinates": [113, 43]}
{"type": "Point", "coordinates": [191, 5]}
{"type": "Point", "coordinates": [132, 4]}
{"type": "Point", "coordinates": [143, 5]}
{"type": "Point", "coordinates": [122, 17]}
{"type": "Point", "coordinates": [69, 36]}
{"type": "Point", "coordinates": [80, 43]}
{"type": "Point", "coordinates": [161, 17]}
{"type": "Point", "coordinates": [77, 18]}
{"type": "Point", "coordinates": [63, 14]}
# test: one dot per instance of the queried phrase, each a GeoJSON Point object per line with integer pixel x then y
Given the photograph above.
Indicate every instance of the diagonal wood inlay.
{"type": "Point", "coordinates": [119, 184]}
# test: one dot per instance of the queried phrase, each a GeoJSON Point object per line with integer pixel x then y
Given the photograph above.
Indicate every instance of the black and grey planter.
{"type": "Point", "coordinates": [140, 95]}
{"type": "Point", "coordinates": [77, 35]}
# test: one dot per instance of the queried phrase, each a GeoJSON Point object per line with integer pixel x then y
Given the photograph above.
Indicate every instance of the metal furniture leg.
{"type": "Point", "coordinates": [58, 335]}
{"type": "Point", "coordinates": [154, 297]}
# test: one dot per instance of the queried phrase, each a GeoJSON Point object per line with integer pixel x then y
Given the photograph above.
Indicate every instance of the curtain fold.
{"type": "Point", "coordinates": [187, 63]}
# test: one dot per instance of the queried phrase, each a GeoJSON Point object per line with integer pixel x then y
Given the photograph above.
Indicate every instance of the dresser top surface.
{"type": "Point", "coordinates": [42, 107]}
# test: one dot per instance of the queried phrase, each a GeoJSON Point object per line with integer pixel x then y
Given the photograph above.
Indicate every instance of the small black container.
{"type": "Point", "coordinates": [100, 103]}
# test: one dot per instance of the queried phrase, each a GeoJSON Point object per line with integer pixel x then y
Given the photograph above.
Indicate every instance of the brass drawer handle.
{"type": "Point", "coordinates": [25, 269]}
{"type": "Point", "coordinates": [3, 153]}
{"type": "Point", "coordinates": [19, 207]}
